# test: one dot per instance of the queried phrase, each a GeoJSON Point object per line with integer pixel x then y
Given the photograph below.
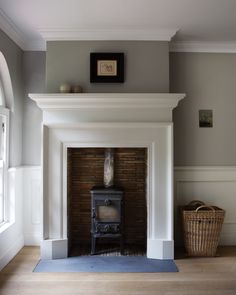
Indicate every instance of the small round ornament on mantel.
{"type": "Point", "coordinates": [65, 88]}
{"type": "Point", "coordinates": [76, 89]}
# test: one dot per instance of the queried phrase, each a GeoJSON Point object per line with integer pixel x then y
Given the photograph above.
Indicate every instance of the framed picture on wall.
{"type": "Point", "coordinates": [205, 118]}
{"type": "Point", "coordinates": [106, 67]}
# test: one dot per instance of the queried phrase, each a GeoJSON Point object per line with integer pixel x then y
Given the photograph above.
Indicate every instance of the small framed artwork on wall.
{"type": "Point", "coordinates": [206, 118]}
{"type": "Point", "coordinates": [106, 67]}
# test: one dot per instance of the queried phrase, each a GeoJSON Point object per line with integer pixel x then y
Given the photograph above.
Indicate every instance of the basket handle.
{"type": "Point", "coordinates": [205, 206]}
{"type": "Point", "coordinates": [196, 202]}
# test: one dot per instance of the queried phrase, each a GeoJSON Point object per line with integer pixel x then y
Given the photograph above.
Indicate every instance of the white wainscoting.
{"type": "Point", "coordinates": [11, 233]}
{"type": "Point", "coordinates": [24, 226]}
{"type": "Point", "coordinates": [32, 221]}
{"type": "Point", "coordinates": [212, 185]}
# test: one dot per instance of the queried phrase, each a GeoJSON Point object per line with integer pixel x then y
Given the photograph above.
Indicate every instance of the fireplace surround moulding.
{"type": "Point", "coordinates": [108, 120]}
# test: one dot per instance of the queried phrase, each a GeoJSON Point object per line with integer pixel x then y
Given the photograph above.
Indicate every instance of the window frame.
{"type": "Point", "coordinates": [4, 112]}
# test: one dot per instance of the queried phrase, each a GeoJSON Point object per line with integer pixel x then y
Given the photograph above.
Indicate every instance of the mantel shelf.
{"type": "Point", "coordinates": [72, 101]}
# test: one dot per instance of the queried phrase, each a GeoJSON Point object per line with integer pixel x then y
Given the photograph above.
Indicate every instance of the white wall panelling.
{"type": "Point", "coordinates": [212, 185]}
{"type": "Point", "coordinates": [11, 233]}
{"type": "Point", "coordinates": [24, 226]}
{"type": "Point", "coordinates": [32, 188]}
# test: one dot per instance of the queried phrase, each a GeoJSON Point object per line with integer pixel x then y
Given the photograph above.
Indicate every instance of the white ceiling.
{"type": "Point", "coordinates": [30, 22]}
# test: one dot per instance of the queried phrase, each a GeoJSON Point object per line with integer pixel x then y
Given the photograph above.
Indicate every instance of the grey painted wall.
{"type": "Point", "coordinates": [13, 55]}
{"type": "Point", "coordinates": [34, 64]}
{"type": "Point", "coordinates": [146, 65]}
{"type": "Point", "coordinates": [209, 80]}
{"type": "Point", "coordinates": [146, 70]}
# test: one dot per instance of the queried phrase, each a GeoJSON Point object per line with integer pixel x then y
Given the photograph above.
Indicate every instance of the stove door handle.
{"type": "Point", "coordinates": [94, 213]}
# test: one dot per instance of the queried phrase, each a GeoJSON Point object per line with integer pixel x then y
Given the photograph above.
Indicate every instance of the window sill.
{"type": "Point", "coordinates": [5, 225]}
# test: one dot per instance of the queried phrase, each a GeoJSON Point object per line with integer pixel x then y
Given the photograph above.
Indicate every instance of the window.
{"type": "Point", "coordinates": [6, 104]}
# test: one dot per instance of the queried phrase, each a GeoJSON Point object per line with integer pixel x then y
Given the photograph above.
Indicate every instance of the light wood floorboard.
{"type": "Point", "coordinates": [196, 276]}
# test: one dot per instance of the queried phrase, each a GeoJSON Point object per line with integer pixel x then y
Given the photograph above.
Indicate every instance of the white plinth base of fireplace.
{"type": "Point", "coordinates": [156, 249]}
{"type": "Point", "coordinates": [108, 120]}
{"type": "Point", "coordinates": [160, 249]}
{"type": "Point", "coordinates": [54, 249]}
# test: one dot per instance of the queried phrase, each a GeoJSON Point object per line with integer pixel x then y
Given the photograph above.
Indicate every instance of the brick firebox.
{"type": "Point", "coordinates": [85, 170]}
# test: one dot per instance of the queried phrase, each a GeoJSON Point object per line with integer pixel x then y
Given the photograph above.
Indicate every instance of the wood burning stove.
{"type": "Point", "coordinates": [106, 215]}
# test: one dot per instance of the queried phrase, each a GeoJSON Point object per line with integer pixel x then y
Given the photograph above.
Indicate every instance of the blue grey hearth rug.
{"type": "Point", "coordinates": [106, 264]}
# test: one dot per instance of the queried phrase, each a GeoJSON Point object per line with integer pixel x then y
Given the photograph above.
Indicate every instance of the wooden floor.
{"type": "Point", "coordinates": [197, 276]}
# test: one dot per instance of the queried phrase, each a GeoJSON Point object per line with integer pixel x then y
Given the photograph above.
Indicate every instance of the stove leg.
{"type": "Point", "coordinates": [121, 246]}
{"type": "Point", "coordinates": [93, 246]}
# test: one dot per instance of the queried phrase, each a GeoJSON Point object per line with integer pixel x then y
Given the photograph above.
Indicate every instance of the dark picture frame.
{"type": "Point", "coordinates": [106, 67]}
{"type": "Point", "coordinates": [205, 118]}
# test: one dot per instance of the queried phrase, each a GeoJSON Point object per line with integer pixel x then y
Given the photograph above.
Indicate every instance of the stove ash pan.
{"type": "Point", "coordinates": [106, 215]}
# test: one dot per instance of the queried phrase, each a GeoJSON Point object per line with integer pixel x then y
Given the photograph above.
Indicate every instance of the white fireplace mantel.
{"type": "Point", "coordinates": [59, 108]}
{"type": "Point", "coordinates": [108, 120]}
{"type": "Point", "coordinates": [72, 101]}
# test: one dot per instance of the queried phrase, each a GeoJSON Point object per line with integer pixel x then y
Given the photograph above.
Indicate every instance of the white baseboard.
{"type": "Point", "coordinates": [11, 253]}
{"type": "Point", "coordinates": [32, 239]}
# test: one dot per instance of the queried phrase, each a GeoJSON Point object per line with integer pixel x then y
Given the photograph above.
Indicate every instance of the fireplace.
{"type": "Point", "coordinates": [94, 120]}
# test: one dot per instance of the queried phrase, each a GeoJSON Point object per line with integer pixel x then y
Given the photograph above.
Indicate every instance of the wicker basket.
{"type": "Point", "coordinates": [202, 227]}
